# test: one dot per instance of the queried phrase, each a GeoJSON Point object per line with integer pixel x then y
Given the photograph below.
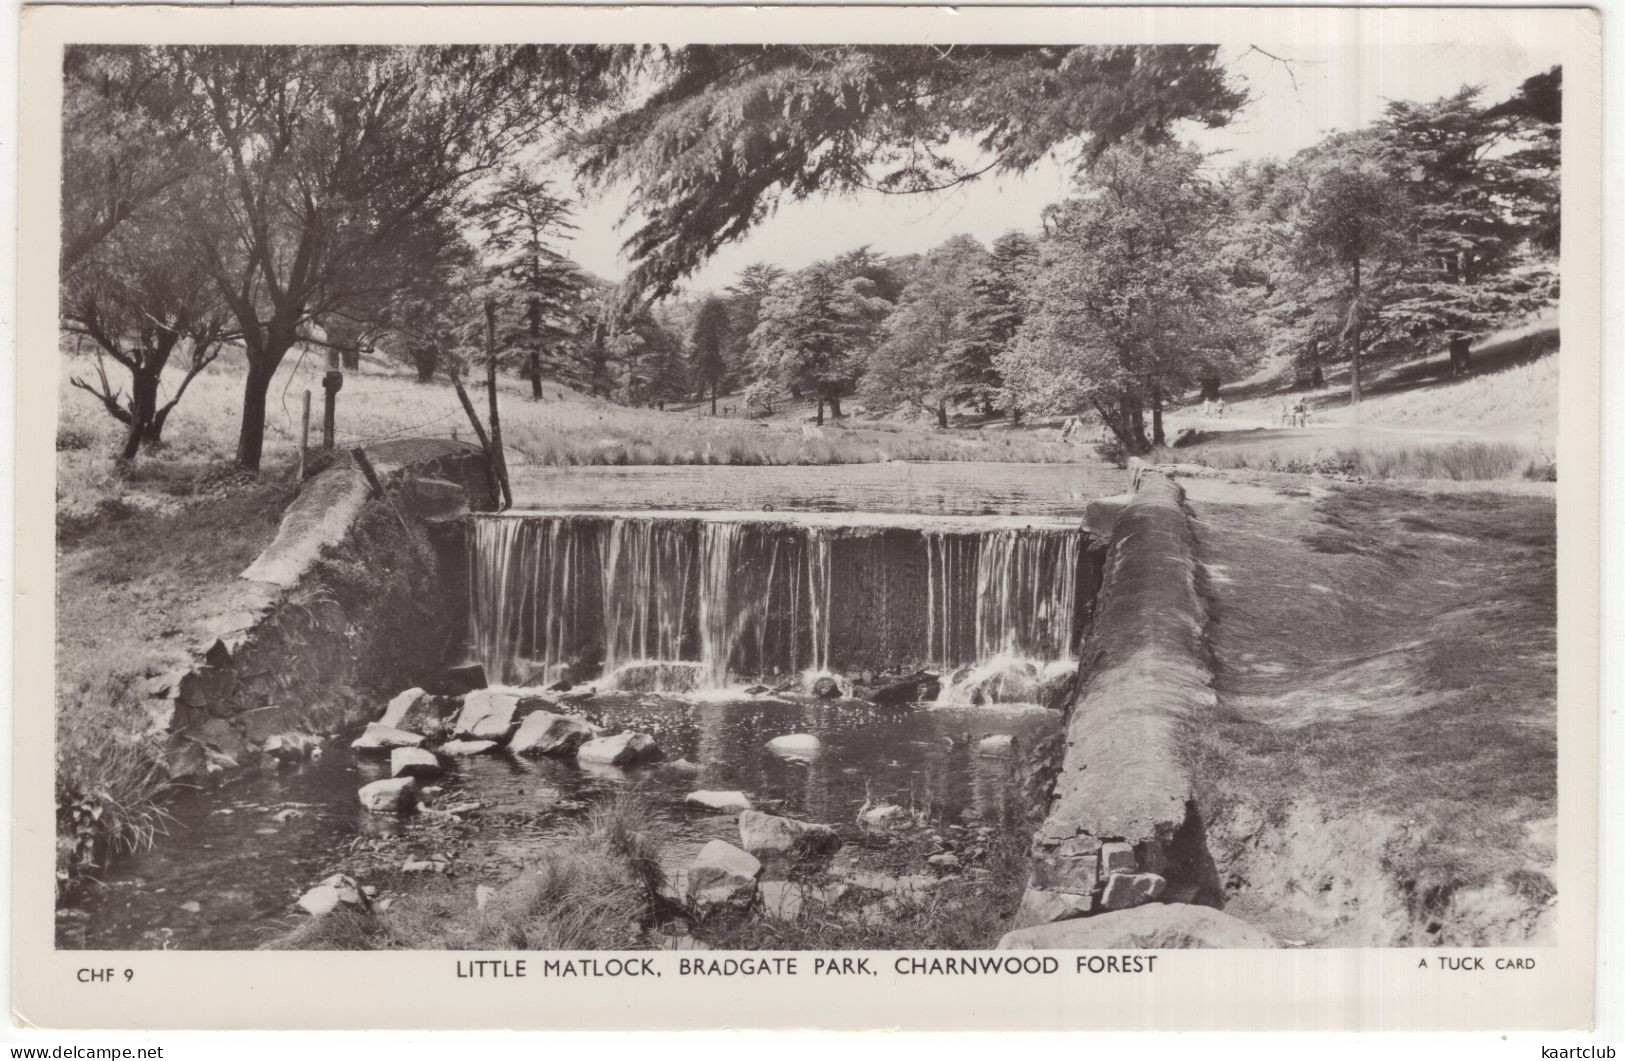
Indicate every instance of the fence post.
{"type": "Point", "coordinates": [304, 437]}
{"type": "Point", "coordinates": [331, 384]}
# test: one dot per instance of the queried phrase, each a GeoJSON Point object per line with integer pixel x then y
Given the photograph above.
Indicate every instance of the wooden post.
{"type": "Point", "coordinates": [304, 437]}
{"type": "Point", "coordinates": [479, 432]}
{"type": "Point", "coordinates": [497, 460]}
{"type": "Point", "coordinates": [331, 383]}
{"type": "Point", "coordinates": [365, 465]}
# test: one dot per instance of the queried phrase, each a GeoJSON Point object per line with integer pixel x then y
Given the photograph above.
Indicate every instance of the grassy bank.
{"type": "Point", "coordinates": [129, 584]}
{"type": "Point", "coordinates": [1383, 766]}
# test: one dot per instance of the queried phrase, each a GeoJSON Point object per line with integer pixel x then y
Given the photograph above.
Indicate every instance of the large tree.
{"type": "Point", "coordinates": [914, 365]}
{"type": "Point", "coordinates": [143, 299]}
{"type": "Point", "coordinates": [129, 139]}
{"type": "Point", "coordinates": [1132, 302]}
{"type": "Point", "coordinates": [1355, 227]}
{"type": "Point", "coordinates": [817, 330]}
{"type": "Point", "coordinates": [724, 132]}
{"type": "Point", "coordinates": [993, 316]}
{"type": "Point", "coordinates": [537, 287]}
{"type": "Point", "coordinates": [332, 170]}
{"type": "Point", "coordinates": [1481, 185]}
{"type": "Point", "coordinates": [708, 341]}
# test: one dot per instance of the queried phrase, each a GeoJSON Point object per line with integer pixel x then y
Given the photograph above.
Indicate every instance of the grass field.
{"type": "Point", "coordinates": [383, 401]}
{"type": "Point", "coordinates": [1416, 421]}
{"type": "Point", "coordinates": [1383, 765]}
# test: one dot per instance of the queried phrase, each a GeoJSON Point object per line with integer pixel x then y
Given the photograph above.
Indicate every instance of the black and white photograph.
{"type": "Point", "coordinates": [561, 496]}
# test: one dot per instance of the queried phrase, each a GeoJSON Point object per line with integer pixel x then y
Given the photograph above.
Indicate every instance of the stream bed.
{"type": "Point", "coordinates": [234, 861]}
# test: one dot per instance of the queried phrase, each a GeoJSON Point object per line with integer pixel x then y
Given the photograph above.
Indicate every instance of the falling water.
{"type": "Point", "coordinates": [755, 598]}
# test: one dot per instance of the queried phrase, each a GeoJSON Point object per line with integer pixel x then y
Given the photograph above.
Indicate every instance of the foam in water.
{"type": "Point", "coordinates": [741, 599]}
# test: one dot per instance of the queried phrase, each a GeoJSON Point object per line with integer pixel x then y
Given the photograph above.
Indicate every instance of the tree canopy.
{"type": "Point", "coordinates": [726, 131]}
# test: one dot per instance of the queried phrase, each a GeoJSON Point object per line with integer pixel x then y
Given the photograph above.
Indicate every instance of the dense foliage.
{"type": "Point", "coordinates": [392, 199]}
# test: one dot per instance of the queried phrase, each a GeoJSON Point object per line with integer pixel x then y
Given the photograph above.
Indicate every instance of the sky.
{"type": "Point", "coordinates": [1297, 97]}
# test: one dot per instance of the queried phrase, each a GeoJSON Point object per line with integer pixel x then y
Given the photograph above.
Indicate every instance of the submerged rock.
{"type": "Point", "coordinates": [919, 687]}
{"type": "Point", "coordinates": [623, 749]}
{"type": "Point", "coordinates": [657, 677]}
{"type": "Point", "coordinates": [337, 890]}
{"type": "Point", "coordinates": [681, 766]}
{"type": "Point", "coordinates": [722, 875]}
{"type": "Point", "coordinates": [414, 762]}
{"type": "Point", "coordinates": [1156, 927]}
{"type": "Point", "coordinates": [397, 795]}
{"type": "Point", "coordinates": [546, 733]}
{"type": "Point", "coordinates": [883, 818]}
{"type": "Point", "coordinates": [468, 747]}
{"type": "Point", "coordinates": [380, 738]}
{"type": "Point", "coordinates": [291, 747]}
{"type": "Point", "coordinates": [774, 839]}
{"type": "Point", "coordinates": [795, 744]}
{"type": "Point", "coordinates": [996, 746]}
{"type": "Point", "coordinates": [720, 801]}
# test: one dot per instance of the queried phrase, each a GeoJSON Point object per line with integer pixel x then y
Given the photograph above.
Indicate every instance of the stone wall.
{"type": "Point", "coordinates": [345, 603]}
{"type": "Point", "coordinates": [1122, 828]}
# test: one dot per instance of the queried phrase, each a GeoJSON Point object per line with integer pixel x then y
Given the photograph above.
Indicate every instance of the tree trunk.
{"type": "Point", "coordinates": [942, 414]}
{"type": "Point", "coordinates": [251, 434]}
{"type": "Point", "coordinates": [1210, 386]}
{"type": "Point", "coordinates": [1157, 436]}
{"type": "Point", "coordinates": [350, 359]}
{"type": "Point", "coordinates": [1461, 356]}
{"type": "Point", "coordinates": [535, 351]}
{"type": "Point", "coordinates": [835, 409]}
{"type": "Point", "coordinates": [425, 359]}
{"type": "Point", "coordinates": [1137, 443]}
{"type": "Point", "coordinates": [713, 398]}
{"type": "Point", "coordinates": [820, 418]}
{"type": "Point", "coordinates": [1354, 353]}
{"type": "Point", "coordinates": [143, 401]}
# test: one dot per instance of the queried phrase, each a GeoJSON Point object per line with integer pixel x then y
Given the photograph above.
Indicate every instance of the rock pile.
{"type": "Point", "coordinates": [465, 717]}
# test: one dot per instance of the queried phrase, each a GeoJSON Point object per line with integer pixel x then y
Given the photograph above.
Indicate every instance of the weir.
{"type": "Point", "coordinates": [747, 596]}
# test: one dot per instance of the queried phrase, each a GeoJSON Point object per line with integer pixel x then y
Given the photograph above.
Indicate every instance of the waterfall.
{"type": "Point", "coordinates": [747, 598]}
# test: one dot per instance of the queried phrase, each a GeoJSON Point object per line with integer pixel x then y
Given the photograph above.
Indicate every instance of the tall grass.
{"type": "Point", "coordinates": [1458, 460]}
{"type": "Point", "coordinates": [595, 890]}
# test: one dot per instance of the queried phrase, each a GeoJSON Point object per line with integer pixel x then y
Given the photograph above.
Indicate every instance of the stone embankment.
{"type": "Point", "coordinates": [319, 613]}
{"type": "Point", "coordinates": [1122, 829]}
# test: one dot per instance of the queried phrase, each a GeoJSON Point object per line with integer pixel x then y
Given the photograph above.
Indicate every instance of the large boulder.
{"type": "Point", "coordinates": [412, 704]}
{"type": "Point", "coordinates": [623, 749]}
{"type": "Point", "coordinates": [337, 890]}
{"type": "Point", "coordinates": [487, 715]}
{"type": "Point", "coordinates": [727, 802]}
{"type": "Point", "coordinates": [826, 688]}
{"type": "Point", "coordinates": [414, 762]}
{"type": "Point", "coordinates": [380, 738]}
{"type": "Point", "coordinates": [722, 875]}
{"type": "Point", "coordinates": [396, 795]}
{"type": "Point", "coordinates": [1159, 926]}
{"type": "Point", "coordinates": [775, 839]}
{"type": "Point", "coordinates": [546, 733]}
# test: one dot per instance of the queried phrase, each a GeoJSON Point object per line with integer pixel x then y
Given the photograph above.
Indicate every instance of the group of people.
{"type": "Point", "coordinates": [1295, 415]}
{"type": "Point", "coordinates": [1212, 408]}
